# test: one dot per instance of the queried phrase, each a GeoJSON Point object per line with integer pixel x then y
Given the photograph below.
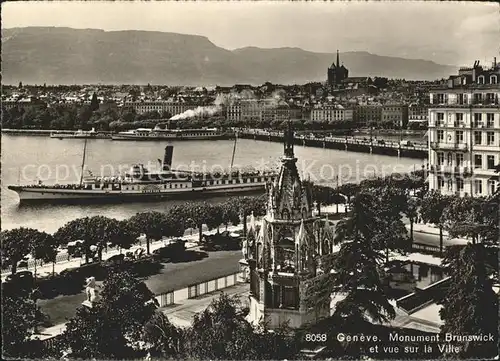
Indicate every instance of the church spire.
{"type": "Point", "coordinates": [288, 141]}
{"type": "Point", "coordinates": [338, 61]}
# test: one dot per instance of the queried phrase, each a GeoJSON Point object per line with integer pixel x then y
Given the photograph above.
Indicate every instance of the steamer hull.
{"type": "Point", "coordinates": [28, 195]}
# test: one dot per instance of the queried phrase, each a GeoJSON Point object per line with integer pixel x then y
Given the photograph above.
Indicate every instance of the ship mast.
{"type": "Point", "coordinates": [83, 161]}
{"type": "Point", "coordinates": [234, 150]}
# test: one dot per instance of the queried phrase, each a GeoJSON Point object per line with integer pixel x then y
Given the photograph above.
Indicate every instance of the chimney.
{"type": "Point", "coordinates": [167, 159]}
{"type": "Point", "coordinates": [495, 62]}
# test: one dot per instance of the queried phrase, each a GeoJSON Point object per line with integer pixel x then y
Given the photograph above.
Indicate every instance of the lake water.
{"type": "Point", "coordinates": [26, 159]}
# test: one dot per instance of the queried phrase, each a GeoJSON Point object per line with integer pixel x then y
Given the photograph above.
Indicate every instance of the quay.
{"type": "Point", "coordinates": [102, 134]}
{"type": "Point", "coordinates": [382, 147]}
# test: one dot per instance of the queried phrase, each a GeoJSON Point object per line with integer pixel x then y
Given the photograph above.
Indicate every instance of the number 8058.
{"type": "Point", "coordinates": [316, 337]}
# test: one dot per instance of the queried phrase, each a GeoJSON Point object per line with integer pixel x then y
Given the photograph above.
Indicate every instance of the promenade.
{"type": "Point", "coordinates": [63, 263]}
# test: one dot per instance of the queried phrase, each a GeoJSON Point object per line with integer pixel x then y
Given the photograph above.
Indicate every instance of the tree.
{"type": "Point", "coordinates": [432, 208]}
{"type": "Point", "coordinates": [163, 339]}
{"type": "Point", "coordinates": [112, 328]}
{"type": "Point", "coordinates": [230, 213]}
{"type": "Point", "coordinates": [198, 213]}
{"type": "Point", "coordinates": [463, 217]}
{"type": "Point", "coordinates": [214, 216]}
{"type": "Point", "coordinates": [470, 306]}
{"type": "Point", "coordinates": [221, 333]}
{"type": "Point", "coordinates": [389, 203]}
{"type": "Point", "coordinates": [326, 195]}
{"type": "Point", "coordinates": [349, 190]}
{"type": "Point", "coordinates": [354, 272]}
{"type": "Point", "coordinates": [15, 245]}
{"type": "Point", "coordinates": [42, 246]}
{"type": "Point", "coordinates": [411, 212]}
{"type": "Point", "coordinates": [154, 225]}
{"type": "Point", "coordinates": [93, 231]}
{"type": "Point", "coordinates": [19, 318]}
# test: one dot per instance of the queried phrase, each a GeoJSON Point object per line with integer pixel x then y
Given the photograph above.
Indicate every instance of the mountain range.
{"type": "Point", "coordinates": [55, 55]}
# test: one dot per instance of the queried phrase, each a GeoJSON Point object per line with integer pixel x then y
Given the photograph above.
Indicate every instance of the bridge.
{"type": "Point", "coordinates": [382, 147]}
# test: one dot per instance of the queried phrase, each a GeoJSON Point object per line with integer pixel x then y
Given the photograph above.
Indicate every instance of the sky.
{"type": "Point", "coordinates": [455, 33]}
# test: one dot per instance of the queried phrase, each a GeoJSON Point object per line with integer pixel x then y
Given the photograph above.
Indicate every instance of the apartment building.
{"type": "Point", "coordinates": [397, 114]}
{"type": "Point", "coordinates": [173, 108]}
{"type": "Point", "coordinates": [464, 133]}
{"type": "Point", "coordinates": [330, 113]}
{"type": "Point", "coordinates": [418, 113]}
{"type": "Point", "coordinates": [365, 115]}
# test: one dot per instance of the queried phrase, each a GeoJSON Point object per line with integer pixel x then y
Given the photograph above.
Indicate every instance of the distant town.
{"type": "Point", "coordinates": [340, 102]}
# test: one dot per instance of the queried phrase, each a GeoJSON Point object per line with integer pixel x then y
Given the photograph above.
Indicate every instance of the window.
{"type": "Point", "coordinates": [460, 184]}
{"type": "Point", "coordinates": [461, 99]}
{"type": "Point", "coordinates": [490, 138]}
{"type": "Point", "coordinates": [478, 161]}
{"type": "Point", "coordinates": [493, 79]}
{"type": "Point", "coordinates": [449, 159]}
{"type": "Point", "coordinates": [491, 186]}
{"type": "Point", "coordinates": [440, 158]}
{"type": "Point", "coordinates": [490, 98]}
{"type": "Point", "coordinates": [440, 99]}
{"type": "Point", "coordinates": [440, 134]}
{"type": "Point", "coordinates": [440, 117]}
{"type": "Point", "coordinates": [480, 79]}
{"type": "Point", "coordinates": [459, 136]}
{"type": "Point", "coordinates": [460, 159]}
{"type": "Point", "coordinates": [478, 120]}
{"type": "Point", "coordinates": [459, 117]}
{"type": "Point", "coordinates": [477, 137]}
{"type": "Point", "coordinates": [490, 118]}
{"type": "Point", "coordinates": [478, 186]}
{"type": "Point", "coordinates": [440, 182]}
{"type": "Point", "coordinates": [490, 160]}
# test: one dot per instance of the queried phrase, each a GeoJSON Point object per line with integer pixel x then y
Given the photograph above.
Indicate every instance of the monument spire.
{"type": "Point", "coordinates": [288, 141]}
{"type": "Point", "coordinates": [338, 61]}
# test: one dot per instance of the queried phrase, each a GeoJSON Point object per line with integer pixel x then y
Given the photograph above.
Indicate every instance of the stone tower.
{"type": "Point", "coordinates": [285, 252]}
{"type": "Point", "coordinates": [337, 73]}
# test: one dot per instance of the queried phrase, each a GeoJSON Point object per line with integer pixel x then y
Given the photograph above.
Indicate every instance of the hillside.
{"type": "Point", "coordinates": [73, 56]}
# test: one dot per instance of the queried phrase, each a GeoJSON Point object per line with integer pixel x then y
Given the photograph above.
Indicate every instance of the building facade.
{"type": "Point", "coordinates": [418, 113]}
{"type": "Point", "coordinates": [464, 133]}
{"type": "Point", "coordinates": [331, 113]}
{"type": "Point", "coordinates": [397, 114]}
{"type": "Point", "coordinates": [366, 115]}
{"type": "Point", "coordinates": [173, 108]}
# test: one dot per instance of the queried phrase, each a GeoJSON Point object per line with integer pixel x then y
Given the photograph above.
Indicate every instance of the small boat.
{"type": "Point", "coordinates": [79, 134]}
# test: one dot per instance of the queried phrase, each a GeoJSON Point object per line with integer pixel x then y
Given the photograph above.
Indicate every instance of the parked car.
{"type": "Point", "coordinates": [224, 241]}
{"type": "Point", "coordinates": [20, 282]}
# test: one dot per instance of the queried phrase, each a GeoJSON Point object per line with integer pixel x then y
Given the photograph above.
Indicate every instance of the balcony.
{"type": "Point", "coordinates": [449, 169]}
{"type": "Point", "coordinates": [483, 102]}
{"type": "Point", "coordinates": [462, 147]}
